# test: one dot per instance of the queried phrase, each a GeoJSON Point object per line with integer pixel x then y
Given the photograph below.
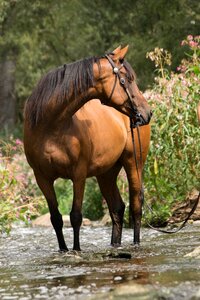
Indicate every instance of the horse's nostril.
{"type": "Point", "coordinates": [151, 113]}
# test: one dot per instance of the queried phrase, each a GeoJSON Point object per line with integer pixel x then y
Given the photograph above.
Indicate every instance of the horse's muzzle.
{"type": "Point", "coordinates": [139, 120]}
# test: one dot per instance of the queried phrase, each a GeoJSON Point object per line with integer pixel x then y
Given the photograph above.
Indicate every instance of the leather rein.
{"type": "Point", "coordinates": [123, 82]}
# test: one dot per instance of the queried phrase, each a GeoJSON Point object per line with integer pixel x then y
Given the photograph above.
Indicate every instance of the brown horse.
{"type": "Point", "coordinates": [65, 138]}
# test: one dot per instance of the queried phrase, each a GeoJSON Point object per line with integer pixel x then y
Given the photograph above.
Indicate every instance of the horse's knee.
{"type": "Point", "coordinates": [76, 218]}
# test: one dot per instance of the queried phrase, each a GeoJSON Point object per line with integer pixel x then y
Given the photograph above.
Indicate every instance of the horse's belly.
{"type": "Point", "coordinates": [105, 155]}
{"type": "Point", "coordinates": [100, 166]}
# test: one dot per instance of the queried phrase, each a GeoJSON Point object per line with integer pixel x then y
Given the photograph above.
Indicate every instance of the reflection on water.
{"type": "Point", "coordinates": [32, 268]}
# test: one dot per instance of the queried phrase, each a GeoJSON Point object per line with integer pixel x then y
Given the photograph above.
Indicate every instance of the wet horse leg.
{"type": "Point", "coordinates": [135, 200]}
{"type": "Point", "coordinates": [76, 215]}
{"type": "Point", "coordinates": [47, 189]}
{"type": "Point", "coordinates": [109, 190]}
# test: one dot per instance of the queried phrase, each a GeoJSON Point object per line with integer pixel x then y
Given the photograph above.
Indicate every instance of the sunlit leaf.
{"type": "Point", "coordinates": [155, 166]}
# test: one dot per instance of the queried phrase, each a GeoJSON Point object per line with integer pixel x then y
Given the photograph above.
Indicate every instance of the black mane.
{"type": "Point", "coordinates": [61, 83]}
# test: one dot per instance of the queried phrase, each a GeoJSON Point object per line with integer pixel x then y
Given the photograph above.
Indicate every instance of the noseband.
{"type": "Point", "coordinates": [125, 85]}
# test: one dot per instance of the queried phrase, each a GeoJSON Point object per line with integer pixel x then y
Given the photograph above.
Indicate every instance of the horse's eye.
{"type": "Point", "coordinates": [129, 78]}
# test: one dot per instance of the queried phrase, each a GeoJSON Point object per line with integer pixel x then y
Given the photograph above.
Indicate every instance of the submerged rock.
{"type": "Point", "coordinates": [195, 253]}
{"type": "Point", "coordinates": [129, 292]}
{"type": "Point", "coordinates": [196, 296]}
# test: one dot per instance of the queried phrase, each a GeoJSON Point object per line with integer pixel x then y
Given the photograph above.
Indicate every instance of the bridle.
{"type": "Point", "coordinates": [125, 85]}
{"type": "Point", "coordinates": [136, 124]}
{"type": "Point", "coordinates": [137, 115]}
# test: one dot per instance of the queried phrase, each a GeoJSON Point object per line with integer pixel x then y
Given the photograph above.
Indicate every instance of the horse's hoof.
{"type": "Point", "coordinates": [63, 250]}
{"type": "Point", "coordinates": [116, 245]}
{"type": "Point", "coordinates": [77, 249]}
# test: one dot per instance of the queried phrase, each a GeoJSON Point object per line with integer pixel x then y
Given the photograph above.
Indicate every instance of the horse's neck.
{"type": "Point", "coordinates": [92, 93]}
{"type": "Point", "coordinates": [74, 105]}
{"type": "Point", "coordinates": [69, 107]}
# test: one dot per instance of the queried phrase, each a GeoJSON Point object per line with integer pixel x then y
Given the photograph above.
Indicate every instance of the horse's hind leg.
{"type": "Point", "coordinates": [109, 190]}
{"type": "Point", "coordinates": [47, 189]}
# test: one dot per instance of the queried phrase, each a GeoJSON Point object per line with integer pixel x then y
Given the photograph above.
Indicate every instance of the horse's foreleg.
{"type": "Point", "coordinates": [47, 189]}
{"type": "Point", "coordinates": [109, 189]}
{"type": "Point", "coordinates": [136, 211]}
{"type": "Point", "coordinates": [136, 201]}
{"type": "Point", "coordinates": [76, 215]}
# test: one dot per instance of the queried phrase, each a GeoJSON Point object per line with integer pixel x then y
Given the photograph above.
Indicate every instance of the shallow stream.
{"type": "Point", "coordinates": [32, 268]}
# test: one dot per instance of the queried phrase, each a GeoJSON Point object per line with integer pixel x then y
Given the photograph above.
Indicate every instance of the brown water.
{"type": "Point", "coordinates": [32, 268]}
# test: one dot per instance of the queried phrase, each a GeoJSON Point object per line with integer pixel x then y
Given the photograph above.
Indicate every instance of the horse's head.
{"type": "Point", "coordinates": [119, 88]}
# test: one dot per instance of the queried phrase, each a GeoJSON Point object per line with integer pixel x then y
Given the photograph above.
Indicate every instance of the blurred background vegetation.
{"type": "Point", "coordinates": [36, 36]}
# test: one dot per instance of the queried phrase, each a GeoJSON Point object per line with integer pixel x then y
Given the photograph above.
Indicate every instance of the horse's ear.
{"type": "Point", "coordinates": [121, 53]}
{"type": "Point", "coordinates": [124, 51]}
{"type": "Point", "coordinates": [116, 50]}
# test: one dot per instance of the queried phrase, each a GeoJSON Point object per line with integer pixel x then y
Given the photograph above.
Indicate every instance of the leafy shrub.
{"type": "Point", "coordinates": [92, 202]}
{"type": "Point", "coordinates": [64, 194]}
{"type": "Point", "coordinates": [20, 198]}
{"type": "Point", "coordinates": [172, 167]}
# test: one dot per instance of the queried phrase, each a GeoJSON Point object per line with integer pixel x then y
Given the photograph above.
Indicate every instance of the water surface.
{"type": "Point", "coordinates": [32, 268]}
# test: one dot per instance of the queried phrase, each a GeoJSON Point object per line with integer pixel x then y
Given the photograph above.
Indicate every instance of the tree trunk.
{"type": "Point", "coordinates": [7, 95]}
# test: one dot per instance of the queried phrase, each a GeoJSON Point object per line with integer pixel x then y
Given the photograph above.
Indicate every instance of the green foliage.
{"type": "Point", "coordinates": [19, 195]}
{"type": "Point", "coordinates": [40, 35]}
{"type": "Point", "coordinates": [92, 204]}
{"type": "Point", "coordinates": [64, 193]}
{"type": "Point", "coordinates": [161, 58]}
{"type": "Point", "coordinates": [172, 167]}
